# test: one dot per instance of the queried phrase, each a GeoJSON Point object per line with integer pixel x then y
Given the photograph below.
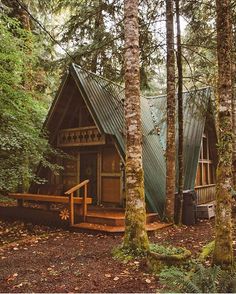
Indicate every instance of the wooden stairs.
{"type": "Point", "coordinates": [112, 220]}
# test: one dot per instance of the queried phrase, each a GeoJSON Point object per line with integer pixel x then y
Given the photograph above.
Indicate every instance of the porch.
{"type": "Point", "coordinates": [73, 211]}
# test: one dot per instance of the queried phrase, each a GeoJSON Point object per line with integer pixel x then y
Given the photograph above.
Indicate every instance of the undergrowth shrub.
{"type": "Point", "coordinates": [199, 279]}
{"type": "Point", "coordinates": [124, 254]}
{"type": "Point", "coordinates": [166, 250]}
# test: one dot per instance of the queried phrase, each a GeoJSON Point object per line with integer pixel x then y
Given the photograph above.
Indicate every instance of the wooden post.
{"type": "Point", "coordinates": [71, 209]}
{"type": "Point", "coordinates": [20, 202]}
{"type": "Point", "coordinates": [85, 201]}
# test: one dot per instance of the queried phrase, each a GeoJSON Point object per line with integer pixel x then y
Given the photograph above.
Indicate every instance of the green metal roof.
{"type": "Point", "coordinates": [195, 108]}
{"type": "Point", "coordinates": [105, 100]}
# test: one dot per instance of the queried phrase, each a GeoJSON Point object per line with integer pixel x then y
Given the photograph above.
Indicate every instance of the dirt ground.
{"type": "Point", "coordinates": [42, 259]}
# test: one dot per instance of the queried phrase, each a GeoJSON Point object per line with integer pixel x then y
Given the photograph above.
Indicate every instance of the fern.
{"type": "Point", "coordinates": [199, 280]}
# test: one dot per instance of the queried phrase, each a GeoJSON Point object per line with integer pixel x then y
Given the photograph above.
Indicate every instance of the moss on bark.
{"type": "Point", "coordinates": [223, 252]}
{"type": "Point", "coordinates": [135, 217]}
{"type": "Point", "coordinates": [135, 238]}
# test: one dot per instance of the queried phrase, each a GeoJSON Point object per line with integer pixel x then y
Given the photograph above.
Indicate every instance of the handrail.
{"type": "Point", "coordinates": [205, 186]}
{"type": "Point", "coordinates": [77, 187]}
{"type": "Point", "coordinates": [70, 192]}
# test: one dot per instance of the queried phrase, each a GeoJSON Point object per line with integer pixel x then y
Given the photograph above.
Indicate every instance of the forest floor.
{"type": "Point", "coordinates": [36, 258]}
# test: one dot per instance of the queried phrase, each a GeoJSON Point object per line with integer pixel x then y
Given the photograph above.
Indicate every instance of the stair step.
{"type": "Point", "coordinates": [114, 219]}
{"type": "Point", "coordinates": [100, 227]}
{"type": "Point", "coordinates": [105, 220]}
{"type": "Point", "coordinates": [117, 229]}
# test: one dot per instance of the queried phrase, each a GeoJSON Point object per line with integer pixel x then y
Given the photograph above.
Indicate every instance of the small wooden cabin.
{"type": "Point", "coordinates": [93, 155]}
{"type": "Point", "coordinates": [86, 121]}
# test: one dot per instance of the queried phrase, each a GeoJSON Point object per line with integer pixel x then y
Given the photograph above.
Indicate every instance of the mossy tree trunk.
{"type": "Point", "coordinates": [180, 120]}
{"type": "Point", "coordinates": [170, 142]}
{"type": "Point", "coordinates": [234, 132]}
{"type": "Point", "coordinates": [223, 252]}
{"type": "Point", "coordinates": [233, 56]}
{"type": "Point", "coordinates": [234, 135]}
{"type": "Point", "coordinates": [135, 218]}
{"type": "Point", "coordinates": [234, 111]}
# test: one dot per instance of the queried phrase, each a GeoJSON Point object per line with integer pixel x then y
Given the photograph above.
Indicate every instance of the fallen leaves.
{"type": "Point", "coordinates": [116, 279]}
{"type": "Point", "coordinates": [80, 262]}
{"type": "Point", "coordinates": [11, 278]}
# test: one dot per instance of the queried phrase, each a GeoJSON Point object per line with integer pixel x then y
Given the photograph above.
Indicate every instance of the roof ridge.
{"type": "Point", "coordinates": [96, 75]}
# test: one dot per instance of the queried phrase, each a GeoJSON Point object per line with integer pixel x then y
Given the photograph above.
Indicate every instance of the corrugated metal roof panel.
{"type": "Point", "coordinates": [195, 108]}
{"type": "Point", "coordinates": [106, 99]}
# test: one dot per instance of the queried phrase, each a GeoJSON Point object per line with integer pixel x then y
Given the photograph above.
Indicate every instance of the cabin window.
{"type": "Point", "coordinates": [206, 171]}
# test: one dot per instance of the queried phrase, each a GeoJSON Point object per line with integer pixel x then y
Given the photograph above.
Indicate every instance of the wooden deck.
{"type": "Point", "coordinates": [110, 220]}
{"type": "Point", "coordinates": [76, 212]}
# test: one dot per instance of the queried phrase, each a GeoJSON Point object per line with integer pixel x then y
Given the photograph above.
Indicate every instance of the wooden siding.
{"type": "Point", "coordinates": [205, 183]}
{"type": "Point", "coordinates": [205, 193]}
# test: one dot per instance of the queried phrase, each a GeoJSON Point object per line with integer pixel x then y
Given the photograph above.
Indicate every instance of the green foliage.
{"type": "Point", "coordinates": [95, 29]}
{"type": "Point", "coordinates": [160, 256]}
{"type": "Point", "coordinates": [22, 143]}
{"type": "Point", "coordinates": [207, 250]}
{"type": "Point", "coordinates": [6, 199]}
{"type": "Point", "coordinates": [167, 250]}
{"type": "Point", "coordinates": [199, 44]}
{"type": "Point", "coordinates": [124, 254]}
{"type": "Point", "coordinates": [199, 279]}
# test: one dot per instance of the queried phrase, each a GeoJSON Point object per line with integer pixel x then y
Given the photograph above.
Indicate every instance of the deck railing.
{"type": "Point", "coordinates": [205, 193]}
{"type": "Point", "coordinates": [80, 137]}
{"type": "Point", "coordinates": [70, 192]}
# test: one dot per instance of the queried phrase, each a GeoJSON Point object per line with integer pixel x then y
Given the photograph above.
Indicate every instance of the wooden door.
{"type": "Point", "coordinates": [110, 176]}
{"type": "Point", "coordinates": [88, 171]}
{"type": "Point", "coordinates": [70, 173]}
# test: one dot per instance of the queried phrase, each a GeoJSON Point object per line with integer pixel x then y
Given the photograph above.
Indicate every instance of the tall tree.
{"type": "Point", "coordinates": [223, 252]}
{"type": "Point", "coordinates": [18, 12]}
{"type": "Point", "coordinates": [233, 19]}
{"type": "Point", "coordinates": [234, 110]}
{"type": "Point", "coordinates": [136, 237]}
{"type": "Point", "coordinates": [93, 31]}
{"type": "Point", "coordinates": [199, 43]}
{"type": "Point", "coordinates": [234, 138]}
{"type": "Point", "coordinates": [180, 117]}
{"type": "Point", "coordinates": [170, 142]}
{"type": "Point", "coordinates": [21, 116]}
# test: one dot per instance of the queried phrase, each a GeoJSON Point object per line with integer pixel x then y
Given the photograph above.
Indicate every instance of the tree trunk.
{"type": "Point", "coordinates": [223, 252]}
{"type": "Point", "coordinates": [97, 38]}
{"type": "Point", "coordinates": [180, 120]}
{"type": "Point", "coordinates": [234, 111]}
{"type": "Point", "coordinates": [234, 135]}
{"type": "Point", "coordinates": [170, 136]}
{"type": "Point", "coordinates": [19, 13]}
{"type": "Point", "coordinates": [135, 218]}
